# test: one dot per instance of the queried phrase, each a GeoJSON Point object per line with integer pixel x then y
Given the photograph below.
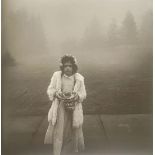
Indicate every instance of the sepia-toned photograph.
{"type": "Point", "coordinates": [77, 77]}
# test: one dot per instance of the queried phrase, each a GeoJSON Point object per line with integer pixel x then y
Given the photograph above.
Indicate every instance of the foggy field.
{"type": "Point", "coordinates": [115, 84]}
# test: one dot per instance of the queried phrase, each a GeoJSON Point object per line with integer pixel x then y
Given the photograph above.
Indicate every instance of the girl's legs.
{"type": "Point", "coordinates": [78, 139]}
{"type": "Point", "coordinates": [58, 131]}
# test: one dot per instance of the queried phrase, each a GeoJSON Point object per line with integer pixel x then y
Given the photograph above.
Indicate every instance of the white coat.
{"type": "Point", "coordinates": [79, 88]}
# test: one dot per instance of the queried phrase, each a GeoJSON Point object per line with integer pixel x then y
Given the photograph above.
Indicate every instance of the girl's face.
{"type": "Point", "coordinates": [68, 69]}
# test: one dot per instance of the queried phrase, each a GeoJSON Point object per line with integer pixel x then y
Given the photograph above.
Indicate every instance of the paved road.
{"type": "Point", "coordinates": [104, 134]}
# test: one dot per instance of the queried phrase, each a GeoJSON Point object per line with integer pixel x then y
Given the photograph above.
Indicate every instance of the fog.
{"type": "Point", "coordinates": [35, 31]}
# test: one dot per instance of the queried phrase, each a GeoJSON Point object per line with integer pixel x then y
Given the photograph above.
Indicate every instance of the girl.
{"type": "Point", "coordinates": [66, 91]}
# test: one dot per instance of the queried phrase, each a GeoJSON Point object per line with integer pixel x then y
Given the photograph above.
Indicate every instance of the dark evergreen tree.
{"type": "Point", "coordinates": [129, 32]}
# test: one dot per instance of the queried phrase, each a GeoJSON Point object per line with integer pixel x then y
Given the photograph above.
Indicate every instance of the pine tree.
{"type": "Point", "coordinates": [93, 36]}
{"type": "Point", "coordinates": [129, 32]}
{"type": "Point", "coordinates": [112, 35]}
{"type": "Point", "coordinates": [25, 37]}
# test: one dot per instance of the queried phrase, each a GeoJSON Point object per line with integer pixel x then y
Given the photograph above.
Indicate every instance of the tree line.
{"type": "Point", "coordinates": [127, 33]}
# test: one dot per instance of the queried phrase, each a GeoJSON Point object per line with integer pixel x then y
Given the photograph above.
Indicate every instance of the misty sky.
{"type": "Point", "coordinates": [67, 19]}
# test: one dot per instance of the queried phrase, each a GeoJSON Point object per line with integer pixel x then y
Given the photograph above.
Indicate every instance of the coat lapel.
{"type": "Point", "coordinates": [58, 85]}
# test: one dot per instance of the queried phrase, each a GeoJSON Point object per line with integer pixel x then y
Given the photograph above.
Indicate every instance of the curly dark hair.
{"type": "Point", "coordinates": [71, 59]}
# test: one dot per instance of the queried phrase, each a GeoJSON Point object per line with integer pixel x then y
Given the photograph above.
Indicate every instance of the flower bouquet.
{"type": "Point", "coordinates": [69, 100]}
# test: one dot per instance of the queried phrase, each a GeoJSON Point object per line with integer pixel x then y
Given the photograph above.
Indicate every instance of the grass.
{"type": "Point", "coordinates": [116, 83]}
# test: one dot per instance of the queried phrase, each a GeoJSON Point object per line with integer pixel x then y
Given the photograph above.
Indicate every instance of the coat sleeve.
{"type": "Point", "coordinates": [51, 90]}
{"type": "Point", "coordinates": [82, 91]}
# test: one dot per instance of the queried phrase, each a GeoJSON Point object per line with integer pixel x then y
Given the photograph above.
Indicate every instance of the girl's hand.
{"type": "Point", "coordinates": [74, 97]}
{"type": "Point", "coordinates": [59, 94]}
